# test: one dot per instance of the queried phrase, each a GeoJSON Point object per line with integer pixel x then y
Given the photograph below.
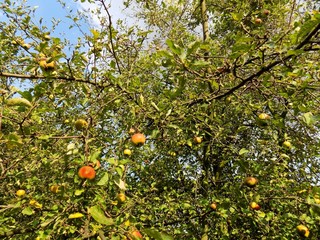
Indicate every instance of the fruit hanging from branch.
{"type": "Point", "coordinates": [250, 182]}
{"type": "Point", "coordinates": [138, 139]}
{"type": "Point", "coordinates": [87, 172]}
{"type": "Point", "coordinates": [303, 231]}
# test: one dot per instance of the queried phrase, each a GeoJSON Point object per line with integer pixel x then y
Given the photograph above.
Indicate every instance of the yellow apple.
{"type": "Point", "coordinates": [21, 193]}
{"type": "Point", "coordinates": [121, 197]}
{"type": "Point", "coordinates": [303, 231]}
{"type": "Point", "coordinates": [251, 181]}
{"type": "Point", "coordinates": [127, 152]}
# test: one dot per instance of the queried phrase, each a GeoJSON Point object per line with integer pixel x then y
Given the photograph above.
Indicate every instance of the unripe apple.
{"type": "Point", "coordinates": [81, 124]}
{"type": "Point", "coordinates": [132, 131]}
{"type": "Point", "coordinates": [264, 116]}
{"type": "Point", "coordinates": [287, 144]}
{"type": "Point", "coordinates": [251, 181]}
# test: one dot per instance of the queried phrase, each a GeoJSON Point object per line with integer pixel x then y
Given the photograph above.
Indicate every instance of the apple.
{"type": "Point", "coordinates": [26, 46]}
{"type": "Point", "coordinates": [87, 172]}
{"type": "Point", "coordinates": [43, 63]}
{"type": "Point", "coordinates": [138, 139]}
{"type": "Point", "coordinates": [258, 20]}
{"type": "Point", "coordinates": [121, 197]}
{"type": "Point", "coordinates": [34, 203]}
{"type": "Point", "coordinates": [127, 152]}
{"type": "Point", "coordinates": [54, 188]}
{"type": "Point", "coordinates": [197, 139]}
{"type": "Point", "coordinates": [251, 182]}
{"type": "Point", "coordinates": [81, 124]}
{"type": "Point", "coordinates": [21, 193]}
{"type": "Point", "coordinates": [255, 206]}
{"type": "Point", "coordinates": [132, 131]}
{"type": "Point", "coordinates": [136, 235]}
{"type": "Point", "coordinates": [266, 12]}
{"type": "Point", "coordinates": [51, 65]}
{"type": "Point", "coordinates": [264, 116]}
{"type": "Point", "coordinates": [303, 231]}
{"type": "Point", "coordinates": [287, 144]}
{"type": "Point", "coordinates": [213, 206]}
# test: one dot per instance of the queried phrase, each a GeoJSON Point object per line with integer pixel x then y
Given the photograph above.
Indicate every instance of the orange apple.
{"type": "Point", "coordinates": [136, 235]}
{"type": "Point", "coordinates": [258, 20]}
{"type": "Point", "coordinates": [255, 206]}
{"type": "Point", "coordinates": [138, 139]}
{"type": "Point", "coordinates": [213, 206]}
{"type": "Point", "coordinates": [87, 172]}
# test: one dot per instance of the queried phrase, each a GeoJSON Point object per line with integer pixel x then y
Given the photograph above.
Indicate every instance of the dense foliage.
{"type": "Point", "coordinates": [222, 90]}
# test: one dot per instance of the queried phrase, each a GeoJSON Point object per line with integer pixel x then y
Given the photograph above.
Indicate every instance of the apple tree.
{"type": "Point", "coordinates": [202, 122]}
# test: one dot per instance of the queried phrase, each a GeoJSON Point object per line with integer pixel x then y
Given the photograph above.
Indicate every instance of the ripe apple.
{"type": "Point", "coordinates": [87, 172]}
{"type": "Point", "coordinates": [266, 12]}
{"type": "Point", "coordinates": [255, 206]}
{"type": "Point", "coordinates": [287, 144]}
{"type": "Point", "coordinates": [81, 124]}
{"type": "Point", "coordinates": [136, 235]}
{"type": "Point", "coordinates": [303, 231]}
{"type": "Point", "coordinates": [213, 206]}
{"type": "Point", "coordinates": [197, 139]}
{"type": "Point", "coordinates": [258, 20]}
{"type": "Point", "coordinates": [21, 193]}
{"type": "Point", "coordinates": [251, 182]}
{"type": "Point", "coordinates": [127, 152]}
{"type": "Point", "coordinates": [138, 139]}
{"type": "Point", "coordinates": [121, 197]}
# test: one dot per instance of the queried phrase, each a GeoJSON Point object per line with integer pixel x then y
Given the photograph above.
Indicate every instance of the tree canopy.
{"type": "Point", "coordinates": [200, 122]}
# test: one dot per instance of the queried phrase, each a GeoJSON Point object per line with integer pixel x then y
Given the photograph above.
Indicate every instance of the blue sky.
{"type": "Point", "coordinates": [49, 9]}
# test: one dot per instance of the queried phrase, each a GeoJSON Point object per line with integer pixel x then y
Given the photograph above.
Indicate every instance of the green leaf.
{"type": "Point", "coordinates": [157, 235]}
{"type": "Point", "coordinates": [308, 118]}
{"type": "Point", "coordinates": [104, 180]}
{"type": "Point", "coordinates": [27, 211]}
{"type": "Point", "coordinates": [243, 151]}
{"type": "Point", "coordinates": [18, 102]}
{"type": "Point", "coordinates": [97, 213]}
